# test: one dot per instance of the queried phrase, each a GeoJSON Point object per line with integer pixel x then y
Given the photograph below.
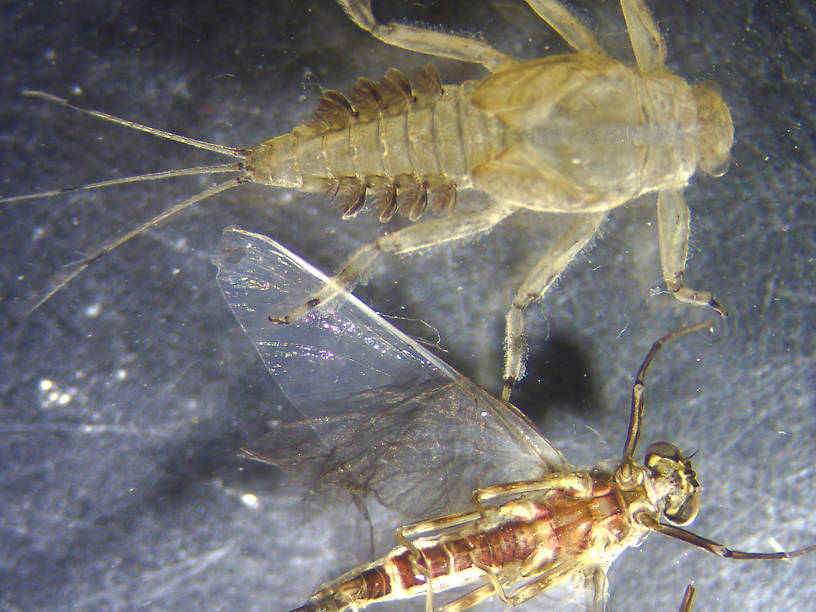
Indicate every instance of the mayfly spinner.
{"type": "Point", "coordinates": [389, 422]}
{"type": "Point", "coordinates": [576, 134]}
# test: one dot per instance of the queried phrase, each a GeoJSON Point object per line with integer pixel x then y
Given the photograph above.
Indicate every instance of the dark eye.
{"type": "Point", "coordinates": [686, 513]}
{"type": "Point", "coordinates": [662, 450]}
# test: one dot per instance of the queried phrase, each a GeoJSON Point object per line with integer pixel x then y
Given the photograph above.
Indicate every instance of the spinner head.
{"type": "Point", "coordinates": [674, 483]}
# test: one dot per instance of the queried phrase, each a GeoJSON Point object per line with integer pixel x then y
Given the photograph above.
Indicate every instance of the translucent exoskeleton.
{"type": "Point", "coordinates": [392, 424]}
{"type": "Point", "coordinates": [576, 135]}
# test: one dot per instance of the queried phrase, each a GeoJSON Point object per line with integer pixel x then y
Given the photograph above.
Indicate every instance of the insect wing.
{"type": "Point", "coordinates": [382, 415]}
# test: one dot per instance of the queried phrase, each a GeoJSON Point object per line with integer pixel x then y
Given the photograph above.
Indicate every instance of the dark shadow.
{"type": "Point", "coordinates": [559, 380]}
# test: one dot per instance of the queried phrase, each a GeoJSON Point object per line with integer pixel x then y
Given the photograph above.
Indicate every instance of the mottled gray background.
{"type": "Point", "coordinates": [126, 397]}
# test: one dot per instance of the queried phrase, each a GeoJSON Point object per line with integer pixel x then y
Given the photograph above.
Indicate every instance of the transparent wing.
{"type": "Point", "coordinates": [382, 415]}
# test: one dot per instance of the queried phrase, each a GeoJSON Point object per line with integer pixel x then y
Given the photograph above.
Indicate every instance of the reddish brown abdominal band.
{"type": "Point", "coordinates": [565, 524]}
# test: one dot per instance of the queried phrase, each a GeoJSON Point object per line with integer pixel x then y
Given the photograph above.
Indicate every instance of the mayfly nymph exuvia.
{"type": "Point", "coordinates": [576, 134]}
{"type": "Point", "coordinates": [388, 422]}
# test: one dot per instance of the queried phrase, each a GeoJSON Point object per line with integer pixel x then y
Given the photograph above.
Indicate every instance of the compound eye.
{"type": "Point", "coordinates": [685, 513]}
{"type": "Point", "coordinates": [662, 450]}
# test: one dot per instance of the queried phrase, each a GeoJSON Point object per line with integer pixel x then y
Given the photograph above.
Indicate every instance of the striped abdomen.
{"type": "Point", "coordinates": [517, 541]}
{"type": "Point", "coordinates": [391, 146]}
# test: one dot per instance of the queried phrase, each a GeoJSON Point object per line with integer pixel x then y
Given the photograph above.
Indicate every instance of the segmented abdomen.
{"type": "Point", "coordinates": [533, 536]}
{"type": "Point", "coordinates": [391, 146]}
